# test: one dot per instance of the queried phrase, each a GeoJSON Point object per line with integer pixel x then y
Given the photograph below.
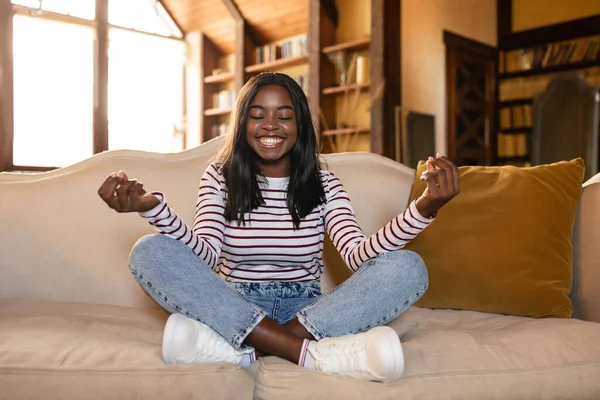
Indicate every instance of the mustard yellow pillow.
{"type": "Point", "coordinates": [503, 244]}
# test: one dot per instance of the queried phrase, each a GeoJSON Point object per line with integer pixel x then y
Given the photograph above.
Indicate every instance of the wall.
{"type": "Point", "coordinates": [530, 14]}
{"type": "Point", "coordinates": [424, 55]}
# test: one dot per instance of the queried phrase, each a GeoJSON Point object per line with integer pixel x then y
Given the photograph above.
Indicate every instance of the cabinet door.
{"type": "Point", "coordinates": [566, 123]}
{"type": "Point", "coordinates": [471, 101]}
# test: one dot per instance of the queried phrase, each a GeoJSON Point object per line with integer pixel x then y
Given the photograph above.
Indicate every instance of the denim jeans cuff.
{"type": "Point", "coordinates": [310, 327]}
{"type": "Point", "coordinates": [238, 340]}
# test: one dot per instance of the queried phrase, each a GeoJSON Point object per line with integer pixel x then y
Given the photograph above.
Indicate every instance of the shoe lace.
{"type": "Point", "coordinates": [349, 356]}
{"type": "Point", "coordinates": [216, 349]}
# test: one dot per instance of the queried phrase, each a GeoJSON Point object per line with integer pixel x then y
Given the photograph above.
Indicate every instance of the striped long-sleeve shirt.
{"type": "Point", "coordinates": [267, 247]}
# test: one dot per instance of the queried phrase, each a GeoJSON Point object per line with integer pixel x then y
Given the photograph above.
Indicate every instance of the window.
{"type": "Point", "coordinates": [142, 15]}
{"type": "Point", "coordinates": [53, 92]}
{"type": "Point", "coordinates": [145, 78]}
{"type": "Point", "coordinates": [55, 66]}
{"type": "Point", "coordinates": [145, 91]}
{"type": "Point", "coordinates": [76, 8]}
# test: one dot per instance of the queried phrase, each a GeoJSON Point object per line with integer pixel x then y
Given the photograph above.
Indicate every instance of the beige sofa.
{"type": "Point", "coordinates": [75, 325]}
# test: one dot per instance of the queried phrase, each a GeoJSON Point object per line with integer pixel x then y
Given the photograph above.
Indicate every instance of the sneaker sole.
{"type": "Point", "coordinates": [169, 335]}
{"type": "Point", "coordinates": [395, 349]}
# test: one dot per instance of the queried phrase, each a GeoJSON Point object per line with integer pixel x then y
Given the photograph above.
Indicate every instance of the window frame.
{"type": "Point", "coordinates": [100, 83]}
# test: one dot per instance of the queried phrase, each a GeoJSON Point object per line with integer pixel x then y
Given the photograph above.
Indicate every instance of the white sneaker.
{"type": "Point", "coordinates": [374, 355]}
{"type": "Point", "coordinates": [187, 341]}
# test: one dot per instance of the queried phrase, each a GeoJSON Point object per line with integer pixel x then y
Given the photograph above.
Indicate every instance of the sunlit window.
{"type": "Point", "coordinates": [145, 91]}
{"type": "Point", "coordinates": [141, 15]}
{"type": "Point", "coordinates": [76, 8]}
{"type": "Point", "coordinates": [53, 92]}
{"type": "Point", "coordinates": [54, 73]}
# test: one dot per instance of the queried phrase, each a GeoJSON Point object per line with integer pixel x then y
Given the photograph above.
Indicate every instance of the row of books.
{"type": "Point", "coordinates": [218, 130]}
{"type": "Point", "coordinates": [513, 145]}
{"type": "Point", "coordinates": [223, 99]}
{"type": "Point", "coordinates": [529, 87]}
{"type": "Point", "coordinates": [293, 47]}
{"type": "Point", "coordinates": [302, 80]}
{"type": "Point", "coordinates": [522, 88]}
{"type": "Point", "coordinates": [560, 53]}
{"type": "Point", "coordinates": [516, 116]}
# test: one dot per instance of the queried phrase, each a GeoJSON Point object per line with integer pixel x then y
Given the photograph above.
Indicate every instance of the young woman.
{"type": "Point", "coordinates": [262, 212]}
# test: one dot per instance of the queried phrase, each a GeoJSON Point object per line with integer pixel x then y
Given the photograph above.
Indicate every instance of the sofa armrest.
{"type": "Point", "coordinates": [586, 253]}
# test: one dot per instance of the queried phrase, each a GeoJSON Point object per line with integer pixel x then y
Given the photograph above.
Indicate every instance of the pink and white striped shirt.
{"type": "Point", "coordinates": [267, 247]}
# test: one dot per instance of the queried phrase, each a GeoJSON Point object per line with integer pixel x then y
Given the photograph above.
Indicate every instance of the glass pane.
{"type": "Point", "coordinates": [145, 91]}
{"type": "Point", "coordinates": [27, 3]}
{"type": "Point", "coordinates": [53, 92]}
{"type": "Point", "coordinates": [142, 15]}
{"type": "Point", "coordinates": [76, 8]}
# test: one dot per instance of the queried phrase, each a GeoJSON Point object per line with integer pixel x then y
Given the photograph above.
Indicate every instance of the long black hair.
{"type": "Point", "coordinates": [239, 162]}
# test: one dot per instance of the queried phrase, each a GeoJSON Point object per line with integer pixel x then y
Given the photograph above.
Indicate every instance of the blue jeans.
{"type": "Point", "coordinates": [179, 281]}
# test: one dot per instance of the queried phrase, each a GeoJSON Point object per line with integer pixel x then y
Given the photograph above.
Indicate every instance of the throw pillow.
{"type": "Point", "coordinates": [503, 244]}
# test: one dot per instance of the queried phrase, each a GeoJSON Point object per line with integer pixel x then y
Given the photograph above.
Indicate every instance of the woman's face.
{"type": "Point", "coordinates": [271, 129]}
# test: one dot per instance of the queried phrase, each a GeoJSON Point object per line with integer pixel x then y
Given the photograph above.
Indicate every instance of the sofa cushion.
{"type": "Point", "coordinates": [59, 350]}
{"type": "Point", "coordinates": [503, 245]}
{"type": "Point", "coordinates": [463, 355]}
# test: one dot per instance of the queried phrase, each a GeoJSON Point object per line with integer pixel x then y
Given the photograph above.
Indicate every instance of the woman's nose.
{"type": "Point", "coordinates": [269, 124]}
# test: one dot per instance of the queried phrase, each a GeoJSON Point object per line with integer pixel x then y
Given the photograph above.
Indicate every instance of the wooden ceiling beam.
{"type": "Point", "coordinates": [172, 16]}
{"type": "Point", "coordinates": [233, 10]}
{"type": "Point", "coordinates": [239, 18]}
{"type": "Point", "coordinates": [331, 11]}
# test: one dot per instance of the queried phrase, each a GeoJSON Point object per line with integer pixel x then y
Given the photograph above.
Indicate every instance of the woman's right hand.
{"type": "Point", "coordinates": [126, 195]}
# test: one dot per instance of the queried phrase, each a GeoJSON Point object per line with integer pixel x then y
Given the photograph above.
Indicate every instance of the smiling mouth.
{"type": "Point", "coordinates": [268, 141]}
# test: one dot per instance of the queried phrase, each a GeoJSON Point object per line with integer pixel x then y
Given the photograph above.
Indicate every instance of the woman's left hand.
{"type": "Point", "coordinates": [442, 185]}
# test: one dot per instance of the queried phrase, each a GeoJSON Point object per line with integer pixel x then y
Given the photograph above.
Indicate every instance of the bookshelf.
{"type": "Point", "coordinates": [337, 90]}
{"type": "Point", "coordinates": [345, 96]}
{"type": "Point", "coordinates": [358, 44]}
{"type": "Point", "coordinates": [305, 56]}
{"type": "Point", "coordinates": [216, 111]}
{"type": "Point", "coordinates": [517, 130]}
{"type": "Point", "coordinates": [551, 69]}
{"type": "Point", "coordinates": [289, 55]}
{"type": "Point", "coordinates": [346, 131]}
{"type": "Point", "coordinates": [526, 64]}
{"type": "Point", "coordinates": [217, 82]}
{"type": "Point", "coordinates": [221, 77]}
{"type": "Point", "coordinates": [553, 57]}
{"type": "Point", "coordinates": [277, 64]}
{"type": "Point", "coordinates": [515, 102]}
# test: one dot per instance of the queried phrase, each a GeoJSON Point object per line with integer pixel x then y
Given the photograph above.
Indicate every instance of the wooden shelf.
{"type": "Point", "coordinates": [216, 111]}
{"type": "Point", "coordinates": [342, 89]}
{"type": "Point", "coordinates": [219, 78]}
{"type": "Point", "coordinates": [574, 29]}
{"type": "Point", "coordinates": [360, 44]}
{"type": "Point", "coordinates": [277, 64]}
{"type": "Point", "coordinates": [521, 129]}
{"type": "Point", "coordinates": [551, 69]}
{"type": "Point", "coordinates": [514, 158]}
{"type": "Point", "coordinates": [346, 131]}
{"type": "Point", "coordinates": [515, 102]}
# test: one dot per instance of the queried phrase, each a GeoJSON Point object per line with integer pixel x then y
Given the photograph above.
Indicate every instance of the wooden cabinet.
{"type": "Point", "coordinates": [471, 100]}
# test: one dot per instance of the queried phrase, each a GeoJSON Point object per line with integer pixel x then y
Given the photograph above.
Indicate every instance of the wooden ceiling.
{"type": "Point", "coordinates": [268, 20]}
